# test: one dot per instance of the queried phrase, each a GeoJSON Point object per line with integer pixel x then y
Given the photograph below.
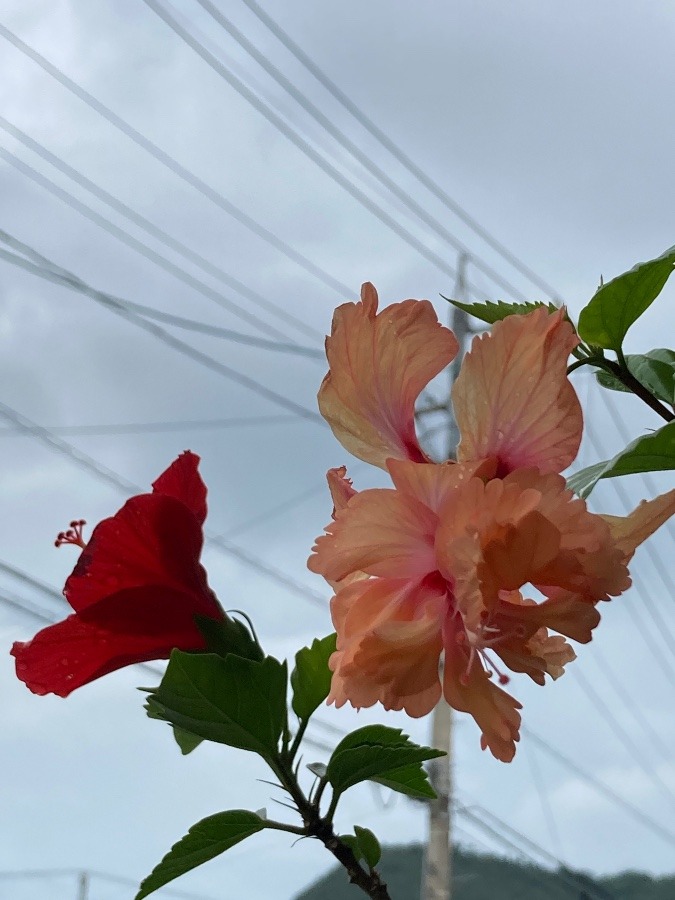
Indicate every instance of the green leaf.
{"type": "Point", "coordinates": [655, 370]}
{"type": "Point", "coordinates": [494, 312]}
{"type": "Point", "coordinates": [373, 752]}
{"type": "Point", "coordinates": [311, 677]}
{"type": "Point", "coordinates": [185, 740]}
{"type": "Point", "coordinates": [617, 304]}
{"type": "Point", "coordinates": [413, 781]}
{"type": "Point", "coordinates": [229, 700]}
{"type": "Point", "coordinates": [229, 635]}
{"type": "Point", "coordinates": [369, 844]}
{"type": "Point", "coordinates": [648, 453]}
{"type": "Point", "coordinates": [353, 843]}
{"type": "Point", "coordinates": [204, 841]}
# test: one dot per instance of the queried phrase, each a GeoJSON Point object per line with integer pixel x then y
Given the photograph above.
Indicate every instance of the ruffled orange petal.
{"type": "Point", "coordinates": [512, 398]}
{"type": "Point", "coordinates": [566, 613]}
{"type": "Point", "coordinates": [589, 561]}
{"type": "Point", "coordinates": [468, 688]}
{"type": "Point", "coordinates": [631, 530]}
{"type": "Point", "coordinates": [388, 644]}
{"type": "Point", "coordinates": [378, 366]}
{"type": "Point", "coordinates": [379, 532]}
{"type": "Point", "coordinates": [525, 647]}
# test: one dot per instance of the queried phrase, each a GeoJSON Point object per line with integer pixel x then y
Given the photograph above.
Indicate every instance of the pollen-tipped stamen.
{"type": "Point", "coordinates": [73, 535]}
{"type": "Point", "coordinates": [478, 646]}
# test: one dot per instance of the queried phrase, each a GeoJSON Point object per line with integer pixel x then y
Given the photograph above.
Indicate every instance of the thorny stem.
{"type": "Point", "coordinates": [319, 792]}
{"type": "Point", "coordinates": [321, 827]}
{"type": "Point", "coordinates": [621, 372]}
{"type": "Point", "coordinates": [298, 737]}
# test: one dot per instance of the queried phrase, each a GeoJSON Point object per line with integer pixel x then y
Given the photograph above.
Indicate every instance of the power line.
{"type": "Point", "coordinates": [24, 577]}
{"type": "Point", "coordinates": [92, 873]}
{"type": "Point", "coordinates": [88, 463]}
{"type": "Point", "coordinates": [601, 788]}
{"type": "Point", "coordinates": [186, 324]}
{"type": "Point", "coordinates": [50, 271]}
{"type": "Point", "coordinates": [284, 507]}
{"type": "Point", "coordinates": [300, 142]}
{"type": "Point", "coordinates": [396, 151]}
{"type": "Point", "coordinates": [158, 233]}
{"type": "Point", "coordinates": [158, 427]}
{"type": "Point", "coordinates": [26, 606]}
{"type": "Point", "coordinates": [633, 811]}
{"type": "Point", "coordinates": [141, 248]}
{"type": "Point", "coordinates": [547, 807]}
{"type": "Point", "coordinates": [617, 685]}
{"type": "Point", "coordinates": [354, 149]}
{"type": "Point", "coordinates": [170, 163]}
{"type": "Point", "coordinates": [619, 732]}
{"type": "Point", "coordinates": [563, 873]}
{"type": "Point", "coordinates": [225, 333]}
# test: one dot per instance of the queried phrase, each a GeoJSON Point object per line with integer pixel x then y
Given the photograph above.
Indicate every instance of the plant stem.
{"type": "Point", "coordinates": [622, 373]}
{"type": "Point", "coordinates": [298, 737]}
{"type": "Point", "coordinates": [321, 828]}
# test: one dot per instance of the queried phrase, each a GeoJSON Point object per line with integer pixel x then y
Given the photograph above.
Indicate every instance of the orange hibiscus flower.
{"type": "Point", "coordinates": [431, 576]}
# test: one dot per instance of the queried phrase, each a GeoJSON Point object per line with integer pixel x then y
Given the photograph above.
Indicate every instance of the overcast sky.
{"type": "Point", "coordinates": [551, 126]}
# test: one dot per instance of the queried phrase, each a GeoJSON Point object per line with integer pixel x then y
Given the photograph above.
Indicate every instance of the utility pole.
{"type": "Point", "coordinates": [83, 886]}
{"type": "Point", "coordinates": [437, 864]}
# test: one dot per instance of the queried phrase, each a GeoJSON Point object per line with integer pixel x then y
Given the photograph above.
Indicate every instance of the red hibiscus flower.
{"type": "Point", "coordinates": [135, 590]}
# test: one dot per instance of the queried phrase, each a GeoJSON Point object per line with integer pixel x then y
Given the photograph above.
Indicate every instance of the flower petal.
{"type": "Point", "coordinates": [432, 484]}
{"type": "Point", "coordinates": [631, 530]}
{"type": "Point", "coordinates": [512, 398]}
{"type": "Point", "coordinates": [378, 366]}
{"type": "Point", "coordinates": [468, 688]}
{"type": "Point", "coordinates": [133, 626]}
{"type": "Point", "coordinates": [566, 613]}
{"type": "Point", "coordinates": [589, 561]}
{"type": "Point", "coordinates": [340, 487]}
{"type": "Point", "coordinates": [388, 645]}
{"type": "Point", "coordinates": [154, 540]}
{"type": "Point", "coordinates": [380, 532]}
{"type": "Point", "coordinates": [183, 482]}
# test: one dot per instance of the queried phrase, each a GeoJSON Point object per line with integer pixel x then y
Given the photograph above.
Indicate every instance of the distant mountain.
{"type": "Point", "coordinates": [482, 877]}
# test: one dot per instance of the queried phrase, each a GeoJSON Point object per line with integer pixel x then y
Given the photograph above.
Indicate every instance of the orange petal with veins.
{"type": "Point", "coordinates": [512, 398]}
{"type": "Point", "coordinates": [379, 363]}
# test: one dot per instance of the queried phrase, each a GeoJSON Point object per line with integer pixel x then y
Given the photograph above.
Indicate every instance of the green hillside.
{"type": "Point", "coordinates": [481, 877]}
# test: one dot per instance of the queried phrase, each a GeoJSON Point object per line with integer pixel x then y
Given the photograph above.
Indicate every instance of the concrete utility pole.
{"type": "Point", "coordinates": [83, 886]}
{"type": "Point", "coordinates": [437, 864]}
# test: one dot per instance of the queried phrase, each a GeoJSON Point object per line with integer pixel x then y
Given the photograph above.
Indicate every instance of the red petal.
{"type": "Point", "coordinates": [133, 626]}
{"type": "Point", "coordinates": [183, 482]}
{"type": "Point", "coordinates": [152, 541]}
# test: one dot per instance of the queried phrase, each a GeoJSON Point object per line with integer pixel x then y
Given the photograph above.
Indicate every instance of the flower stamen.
{"type": "Point", "coordinates": [479, 643]}
{"type": "Point", "coordinates": [73, 535]}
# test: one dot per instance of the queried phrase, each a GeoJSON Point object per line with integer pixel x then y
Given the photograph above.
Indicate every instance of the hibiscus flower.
{"type": "Point", "coordinates": [136, 589]}
{"type": "Point", "coordinates": [434, 577]}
